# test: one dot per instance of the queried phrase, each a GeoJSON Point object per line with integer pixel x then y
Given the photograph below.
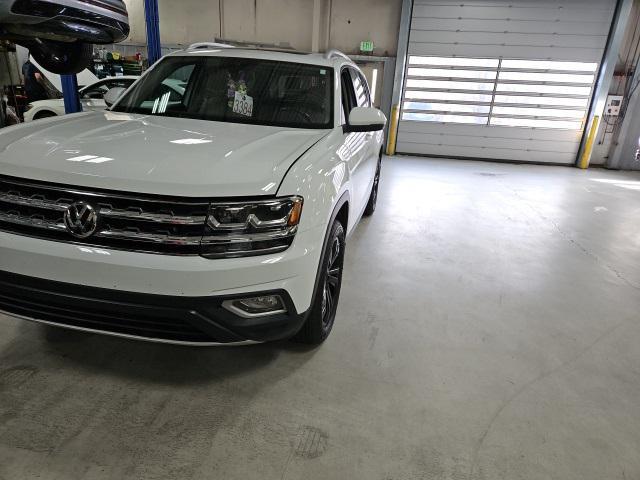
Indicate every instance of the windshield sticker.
{"type": "Point", "coordinates": [243, 104]}
{"type": "Point", "coordinates": [234, 87]}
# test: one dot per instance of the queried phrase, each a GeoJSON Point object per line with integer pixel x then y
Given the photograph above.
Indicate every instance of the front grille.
{"type": "Point", "coordinates": [141, 315]}
{"type": "Point", "coordinates": [147, 323]}
{"type": "Point", "coordinates": [144, 223]}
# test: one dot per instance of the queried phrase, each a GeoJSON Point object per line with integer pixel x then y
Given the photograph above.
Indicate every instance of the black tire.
{"type": "Point", "coordinates": [45, 114]}
{"type": "Point", "coordinates": [373, 197]}
{"type": "Point", "coordinates": [61, 57]}
{"type": "Point", "coordinates": [3, 116]}
{"type": "Point", "coordinates": [325, 303]}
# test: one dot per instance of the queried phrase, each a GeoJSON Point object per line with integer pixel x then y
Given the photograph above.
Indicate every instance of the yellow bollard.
{"type": "Point", "coordinates": [393, 130]}
{"type": "Point", "coordinates": [588, 148]}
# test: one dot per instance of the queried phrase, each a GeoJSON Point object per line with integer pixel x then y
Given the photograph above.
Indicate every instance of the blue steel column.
{"type": "Point", "coordinates": [70, 93]}
{"type": "Point", "coordinates": [152, 20]}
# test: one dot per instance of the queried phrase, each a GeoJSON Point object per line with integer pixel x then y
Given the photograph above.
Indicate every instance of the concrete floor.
{"type": "Point", "coordinates": [489, 328]}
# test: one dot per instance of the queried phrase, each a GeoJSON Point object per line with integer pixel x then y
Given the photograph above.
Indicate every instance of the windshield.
{"type": "Point", "coordinates": [237, 90]}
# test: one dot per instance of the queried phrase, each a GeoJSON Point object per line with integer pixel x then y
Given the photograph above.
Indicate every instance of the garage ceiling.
{"type": "Point", "coordinates": [501, 80]}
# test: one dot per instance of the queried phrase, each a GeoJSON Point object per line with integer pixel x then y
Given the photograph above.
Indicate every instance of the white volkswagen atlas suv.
{"type": "Point", "coordinates": [209, 205]}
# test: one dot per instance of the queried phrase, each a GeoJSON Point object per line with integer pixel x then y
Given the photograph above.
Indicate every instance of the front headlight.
{"type": "Point", "coordinates": [28, 107]}
{"type": "Point", "coordinates": [241, 229]}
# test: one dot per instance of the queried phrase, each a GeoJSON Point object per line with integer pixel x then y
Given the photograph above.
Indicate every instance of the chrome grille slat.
{"type": "Point", "coordinates": [153, 217]}
{"type": "Point", "coordinates": [258, 237]}
{"type": "Point", "coordinates": [31, 222]}
{"type": "Point", "coordinates": [135, 222]}
{"type": "Point", "coordinates": [147, 237]}
{"type": "Point", "coordinates": [32, 202]}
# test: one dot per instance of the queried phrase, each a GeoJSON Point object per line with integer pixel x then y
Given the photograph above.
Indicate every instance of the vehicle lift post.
{"type": "Point", "coordinates": [70, 93]}
{"type": "Point", "coordinates": [152, 19]}
{"type": "Point", "coordinates": [70, 82]}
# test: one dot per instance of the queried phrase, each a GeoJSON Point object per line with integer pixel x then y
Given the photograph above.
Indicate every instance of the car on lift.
{"type": "Point", "coordinates": [218, 215]}
{"type": "Point", "coordinates": [60, 34]}
{"type": "Point", "coordinates": [91, 98]}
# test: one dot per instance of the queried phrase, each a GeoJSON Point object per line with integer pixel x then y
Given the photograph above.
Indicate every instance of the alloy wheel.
{"type": "Point", "coordinates": [332, 281]}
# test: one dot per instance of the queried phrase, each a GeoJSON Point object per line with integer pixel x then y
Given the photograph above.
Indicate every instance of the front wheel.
{"type": "Point", "coordinates": [325, 303]}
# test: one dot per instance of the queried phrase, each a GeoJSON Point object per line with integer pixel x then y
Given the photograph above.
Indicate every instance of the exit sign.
{"type": "Point", "coordinates": [366, 46]}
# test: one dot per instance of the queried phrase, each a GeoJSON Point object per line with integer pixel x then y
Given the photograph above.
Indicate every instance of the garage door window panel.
{"type": "Point", "coordinates": [447, 96]}
{"type": "Point", "coordinates": [429, 117]}
{"type": "Point", "coordinates": [547, 77]}
{"type": "Point", "coordinates": [560, 102]}
{"type": "Point", "coordinates": [452, 73]}
{"type": "Point", "coordinates": [454, 61]}
{"type": "Point", "coordinates": [544, 89]}
{"type": "Point", "coordinates": [549, 65]}
{"type": "Point", "coordinates": [448, 85]}
{"type": "Point", "coordinates": [555, 95]}
{"type": "Point", "coordinates": [446, 107]}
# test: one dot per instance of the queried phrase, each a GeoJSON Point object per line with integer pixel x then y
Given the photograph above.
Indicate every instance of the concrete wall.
{"type": "Point", "coordinates": [339, 24]}
{"type": "Point", "coordinates": [355, 20]}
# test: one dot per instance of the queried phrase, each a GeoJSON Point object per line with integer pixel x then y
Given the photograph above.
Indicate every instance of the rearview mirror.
{"type": "Point", "coordinates": [113, 95]}
{"type": "Point", "coordinates": [365, 119]}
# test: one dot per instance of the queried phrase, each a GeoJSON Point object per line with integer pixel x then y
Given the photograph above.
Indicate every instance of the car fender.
{"type": "Point", "coordinates": [43, 106]}
{"type": "Point", "coordinates": [321, 176]}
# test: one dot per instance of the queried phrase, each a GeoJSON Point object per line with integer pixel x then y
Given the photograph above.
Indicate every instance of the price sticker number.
{"type": "Point", "coordinates": [243, 104]}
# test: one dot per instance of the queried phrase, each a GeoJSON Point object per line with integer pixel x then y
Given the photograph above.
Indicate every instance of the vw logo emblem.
{"type": "Point", "coordinates": [81, 219]}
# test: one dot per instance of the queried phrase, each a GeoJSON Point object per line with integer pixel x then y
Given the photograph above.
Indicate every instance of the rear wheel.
{"type": "Point", "coordinates": [325, 303]}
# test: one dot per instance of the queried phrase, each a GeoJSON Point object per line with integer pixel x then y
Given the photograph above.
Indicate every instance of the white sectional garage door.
{"type": "Point", "coordinates": [498, 79]}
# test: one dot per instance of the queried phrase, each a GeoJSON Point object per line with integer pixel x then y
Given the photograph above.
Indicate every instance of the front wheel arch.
{"type": "Point", "coordinates": [341, 213]}
{"type": "Point", "coordinates": [44, 114]}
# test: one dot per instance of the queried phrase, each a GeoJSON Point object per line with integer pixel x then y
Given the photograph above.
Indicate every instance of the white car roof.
{"type": "Point", "coordinates": [266, 54]}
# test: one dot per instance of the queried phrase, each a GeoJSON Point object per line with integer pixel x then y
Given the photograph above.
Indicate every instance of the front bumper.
{"type": "Point", "coordinates": [171, 319]}
{"type": "Point", "coordinates": [80, 281]}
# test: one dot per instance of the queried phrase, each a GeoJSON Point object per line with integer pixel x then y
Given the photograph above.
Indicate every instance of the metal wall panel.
{"type": "Point", "coordinates": [464, 95]}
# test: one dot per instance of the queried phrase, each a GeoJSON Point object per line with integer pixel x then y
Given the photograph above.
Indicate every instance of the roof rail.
{"type": "Point", "coordinates": [333, 53]}
{"type": "Point", "coordinates": [195, 46]}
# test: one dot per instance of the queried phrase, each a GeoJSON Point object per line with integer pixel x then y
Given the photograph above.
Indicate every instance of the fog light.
{"type": "Point", "coordinates": [256, 306]}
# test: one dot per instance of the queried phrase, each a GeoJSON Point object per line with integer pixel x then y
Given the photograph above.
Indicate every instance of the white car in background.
{"type": "Point", "coordinates": [91, 98]}
{"type": "Point", "coordinates": [210, 205]}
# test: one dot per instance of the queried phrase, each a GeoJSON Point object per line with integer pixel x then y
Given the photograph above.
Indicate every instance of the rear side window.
{"type": "Point", "coordinates": [348, 95]}
{"type": "Point", "coordinates": [361, 89]}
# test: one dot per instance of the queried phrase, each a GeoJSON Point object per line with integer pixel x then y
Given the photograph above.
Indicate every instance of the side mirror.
{"type": "Point", "coordinates": [365, 119]}
{"type": "Point", "coordinates": [113, 95]}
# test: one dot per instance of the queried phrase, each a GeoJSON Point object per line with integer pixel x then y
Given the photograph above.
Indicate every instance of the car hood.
{"type": "Point", "coordinates": [46, 103]}
{"type": "Point", "coordinates": [151, 154]}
